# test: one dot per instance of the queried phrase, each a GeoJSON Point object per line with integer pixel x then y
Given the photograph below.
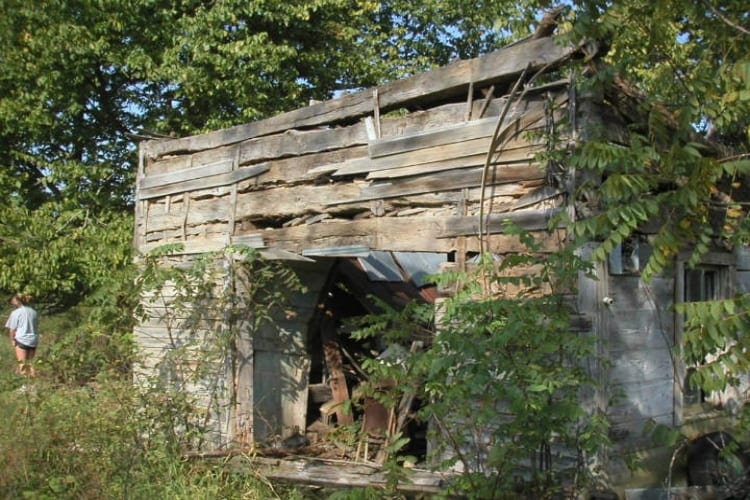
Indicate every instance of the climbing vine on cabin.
{"type": "Point", "coordinates": [208, 305]}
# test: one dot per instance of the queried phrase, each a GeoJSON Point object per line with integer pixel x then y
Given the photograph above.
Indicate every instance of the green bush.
{"type": "Point", "coordinates": [501, 381]}
{"type": "Point", "coordinates": [111, 440]}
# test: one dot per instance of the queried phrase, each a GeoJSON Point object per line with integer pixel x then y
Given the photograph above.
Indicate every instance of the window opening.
{"type": "Point", "coordinates": [701, 284]}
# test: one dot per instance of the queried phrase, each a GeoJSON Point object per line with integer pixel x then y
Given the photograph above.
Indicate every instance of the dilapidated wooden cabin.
{"type": "Point", "coordinates": [372, 191]}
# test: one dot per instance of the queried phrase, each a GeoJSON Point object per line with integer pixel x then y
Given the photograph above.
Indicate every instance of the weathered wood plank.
{"type": "Point", "coordinates": [174, 163]}
{"type": "Point", "coordinates": [411, 123]}
{"type": "Point", "coordinates": [186, 174]}
{"type": "Point", "coordinates": [426, 234]}
{"type": "Point", "coordinates": [279, 393]}
{"type": "Point", "coordinates": [435, 154]}
{"type": "Point", "coordinates": [335, 365]}
{"type": "Point", "coordinates": [201, 183]}
{"type": "Point", "coordinates": [298, 143]}
{"type": "Point", "coordinates": [519, 154]}
{"type": "Point", "coordinates": [290, 203]}
{"type": "Point", "coordinates": [531, 220]}
{"type": "Point", "coordinates": [208, 244]}
{"type": "Point", "coordinates": [457, 132]}
{"type": "Point", "coordinates": [283, 201]}
{"type": "Point", "coordinates": [296, 201]}
{"type": "Point", "coordinates": [334, 473]}
{"type": "Point", "coordinates": [448, 180]}
{"type": "Point", "coordinates": [298, 168]}
{"type": "Point", "coordinates": [502, 65]}
{"type": "Point", "coordinates": [528, 113]}
{"type": "Point", "coordinates": [537, 196]}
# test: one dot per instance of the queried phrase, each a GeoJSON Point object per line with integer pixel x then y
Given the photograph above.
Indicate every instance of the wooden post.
{"type": "Point", "coordinates": [335, 364]}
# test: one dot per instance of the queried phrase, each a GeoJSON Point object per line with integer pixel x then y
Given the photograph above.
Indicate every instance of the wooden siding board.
{"type": "Point", "coordinates": [279, 392]}
{"type": "Point", "coordinates": [305, 168]}
{"type": "Point", "coordinates": [530, 219]}
{"type": "Point", "coordinates": [521, 149]}
{"type": "Point", "coordinates": [530, 114]}
{"type": "Point", "coordinates": [186, 174]}
{"type": "Point", "coordinates": [388, 233]}
{"type": "Point", "coordinates": [449, 180]}
{"type": "Point", "coordinates": [457, 132]}
{"type": "Point", "coordinates": [502, 65]}
{"type": "Point", "coordinates": [283, 202]}
{"type": "Point", "coordinates": [412, 123]}
{"type": "Point", "coordinates": [298, 143]}
{"type": "Point", "coordinates": [208, 182]}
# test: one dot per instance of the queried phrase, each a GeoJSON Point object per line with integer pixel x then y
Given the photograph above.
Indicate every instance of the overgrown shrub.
{"type": "Point", "coordinates": [114, 441]}
{"type": "Point", "coordinates": [503, 380]}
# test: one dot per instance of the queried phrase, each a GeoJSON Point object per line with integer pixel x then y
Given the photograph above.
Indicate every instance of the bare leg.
{"type": "Point", "coordinates": [24, 358]}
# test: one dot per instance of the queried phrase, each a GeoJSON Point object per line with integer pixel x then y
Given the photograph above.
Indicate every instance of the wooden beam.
{"type": "Point", "coordinates": [531, 112]}
{"type": "Point", "coordinates": [456, 132]}
{"type": "Point", "coordinates": [505, 64]}
{"type": "Point", "coordinates": [531, 220]}
{"type": "Point", "coordinates": [448, 180]}
{"type": "Point", "coordinates": [194, 184]}
{"type": "Point", "coordinates": [313, 471]}
{"type": "Point", "coordinates": [526, 154]}
{"type": "Point", "coordinates": [414, 233]}
{"type": "Point", "coordinates": [186, 174]}
{"type": "Point", "coordinates": [335, 364]}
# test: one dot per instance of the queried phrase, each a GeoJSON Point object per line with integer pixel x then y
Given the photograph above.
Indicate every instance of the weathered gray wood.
{"type": "Point", "coordinates": [243, 391]}
{"type": "Point", "coordinates": [206, 245]}
{"type": "Point", "coordinates": [332, 473]}
{"type": "Point", "coordinates": [286, 202]}
{"type": "Point", "coordinates": [187, 174]}
{"type": "Point", "coordinates": [391, 126]}
{"type": "Point", "coordinates": [502, 65]}
{"type": "Point", "coordinates": [458, 132]}
{"type": "Point", "coordinates": [435, 166]}
{"type": "Point", "coordinates": [296, 201]}
{"type": "Point", "coordinates": [531, 220]}
{"type": "Point", "coordinates": [335, 367]}
{"type": "Point", "coordinates": [388, 233]}
{"type": "Point", "coordinates": [170, 164]}
{"type": "Point", "coordinates": [536, 196]}
{"type": "Point", "coordinates": [526, 152]}
{"type": "Point", "coordinates": [448, 180]}
{"type": "Point", "coordinates": [530, 112]}
{"type": "Point", "coordinates": [297, 143]}
{"type": "Point", "coordinates": [517, 148]}
{"type": "Point", "coordinates": [279, 393]}
{"type": "Point", "coordinates": [202, 183]}
{"type": "Point", "coordinates": [299, 168]}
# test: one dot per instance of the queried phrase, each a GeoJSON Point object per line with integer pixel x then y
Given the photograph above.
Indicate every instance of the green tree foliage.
{"type": "Point", "coordinates": [83, 81]}
{"type": "Point", "coordinates": [113, 441]}
{"type": "Point", "coordinates": [682, 72]}
{"type": "Point", "coordinates": [503, 381]}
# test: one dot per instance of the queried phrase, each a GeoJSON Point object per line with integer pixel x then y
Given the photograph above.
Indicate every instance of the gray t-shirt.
{"type": "Point", "coordinates": [25, 321]}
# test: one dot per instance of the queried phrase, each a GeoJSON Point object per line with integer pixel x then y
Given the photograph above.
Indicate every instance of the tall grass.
{"type": "Point", "coordinates": [60, 438]}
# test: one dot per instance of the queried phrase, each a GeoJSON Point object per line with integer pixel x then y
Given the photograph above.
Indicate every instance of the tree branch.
{"type": "Point", "coordinates": [726, 20]}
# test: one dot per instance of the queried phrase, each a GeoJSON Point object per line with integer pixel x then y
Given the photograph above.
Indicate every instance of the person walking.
{"type": "Point", "coordinates": [23, 326]}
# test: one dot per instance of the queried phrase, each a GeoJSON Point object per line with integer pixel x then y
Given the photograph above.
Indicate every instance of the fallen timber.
{"type": "Point", "coordinates": [328, 473]}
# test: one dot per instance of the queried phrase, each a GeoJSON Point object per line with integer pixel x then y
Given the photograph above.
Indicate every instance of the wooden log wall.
{"type": "Point", "coordinates": [402, 167]}
{"type": "Point", "coordinates": [346, 172]}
